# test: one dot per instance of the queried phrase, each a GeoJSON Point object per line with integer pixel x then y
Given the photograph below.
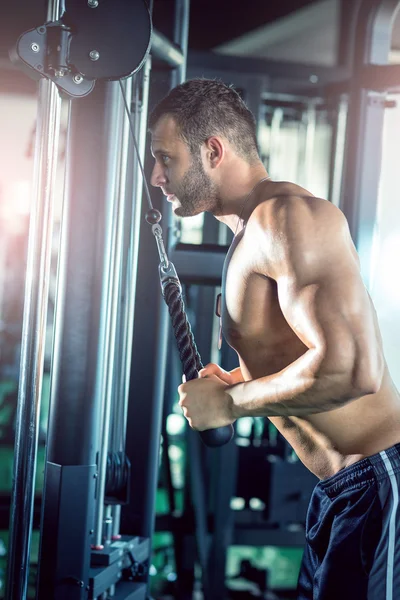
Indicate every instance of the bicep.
{"type": "Point", "coordinates": [320, 289]}
{"type": "Point", "coordinates": [330, 313]}
{"type": "Point", "coordinates": [306, 247]}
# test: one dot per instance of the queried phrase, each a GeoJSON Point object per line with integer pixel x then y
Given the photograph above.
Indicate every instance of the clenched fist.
{"type": "Point", "coordinates": [206, 402]}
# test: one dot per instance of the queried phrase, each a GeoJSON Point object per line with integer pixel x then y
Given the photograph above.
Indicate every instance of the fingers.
{"type": "Point", "coordinates": [213, 369]}
{"type": "Point", "coordinates": [210, 369]}
{"type": "Point", "coordinates": [182, 397]}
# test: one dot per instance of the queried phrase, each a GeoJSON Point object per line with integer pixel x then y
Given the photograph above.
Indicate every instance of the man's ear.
{"type": "Point", "coordinates": [214, 151]}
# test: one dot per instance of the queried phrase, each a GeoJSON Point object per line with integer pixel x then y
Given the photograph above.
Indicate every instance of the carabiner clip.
{"type": "Point", "coordinates": [157, 232]}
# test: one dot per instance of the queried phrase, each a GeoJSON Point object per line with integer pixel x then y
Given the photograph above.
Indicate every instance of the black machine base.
{"type": "Point", "coordinates": [124, 563]}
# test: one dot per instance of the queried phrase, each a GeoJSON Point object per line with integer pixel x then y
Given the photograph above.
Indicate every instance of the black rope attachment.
{"type": "Point", "coordinates": [172, 293]}
{"type": "Point", "coordinates": [189, 355]}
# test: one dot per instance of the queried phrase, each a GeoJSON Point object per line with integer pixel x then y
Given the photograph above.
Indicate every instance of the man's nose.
{"type": "Point", "coordinates": [158, 178]}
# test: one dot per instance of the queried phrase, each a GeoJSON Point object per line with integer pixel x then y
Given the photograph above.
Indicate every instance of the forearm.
{"type": "Point", "coordinates": [304, 387]}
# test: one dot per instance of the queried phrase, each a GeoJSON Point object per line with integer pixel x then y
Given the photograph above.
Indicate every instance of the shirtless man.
{"type": "Point", "coordinates": [296, 311]}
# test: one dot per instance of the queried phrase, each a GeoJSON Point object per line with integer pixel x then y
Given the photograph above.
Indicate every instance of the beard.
{"type": "Point", "coordinates": [196, 192]}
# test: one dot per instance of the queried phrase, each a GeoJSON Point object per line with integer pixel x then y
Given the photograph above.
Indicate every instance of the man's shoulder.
{"type": "Point", "coordinates": [296, 233]}
{"type": "Point", "coordinates": [295, 207]}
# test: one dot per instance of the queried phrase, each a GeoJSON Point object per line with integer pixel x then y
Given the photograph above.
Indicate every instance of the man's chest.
{"type": "Point", "coordinates": [249, 302]}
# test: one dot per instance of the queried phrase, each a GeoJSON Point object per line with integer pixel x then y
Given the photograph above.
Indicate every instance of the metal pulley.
{"type": "Point", "coordinates": [93, 39]}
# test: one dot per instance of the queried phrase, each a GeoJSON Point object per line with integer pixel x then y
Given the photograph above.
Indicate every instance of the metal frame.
{"type": "Point", "coordinates": [81, 344]}
{"type": "Point", "coordinates": [77, 396]}
{"type": "Point", "coordinates": [212, 62]}
{"type": "Point", "coordinates": [340, 104]}
{"type": "Point", "coordinates": [166, 51]}
{"type": "Point", "coordinates": [33, 333]}
{"type": "Point", "coordinates": [199, 263]}
{"type": "Point", "coordinates": [365, 122]}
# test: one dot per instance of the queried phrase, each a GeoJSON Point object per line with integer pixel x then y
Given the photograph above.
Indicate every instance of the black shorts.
{"type": "Point", "coordinates": [353, 533]}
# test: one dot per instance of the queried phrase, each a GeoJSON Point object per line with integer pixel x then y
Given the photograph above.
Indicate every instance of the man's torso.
{"type": "Point", "coordinates": [253, 324]}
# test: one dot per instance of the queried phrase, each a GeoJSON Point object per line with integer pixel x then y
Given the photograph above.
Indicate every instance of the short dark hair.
{"type": "Point", "coordinates": [205, 107]}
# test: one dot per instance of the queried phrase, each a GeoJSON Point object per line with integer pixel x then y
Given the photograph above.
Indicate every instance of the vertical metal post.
{"type": "Point", "coordinates": [365, 127]}
{"type": "Point", "coordinates": [111, 296]}
{"type": "Point", "coordinates": [337, 151]}
{"type": "Point", "coordinates": [33, 334]}
{"type": "Point", "coordinates": [181, 37]}
{"type": "Point", "coordinates": [274, 153]}
{"type": "Point", "coordinates": [129, 275]}
{"type": "Point", "coordinates": [222, 476]}
{"type": "Point", "coordinates": [79, 339]}
{"type": "Point", "coordinates": [255, 86]}
{"type": "Point", "coordinates": [311, 123]}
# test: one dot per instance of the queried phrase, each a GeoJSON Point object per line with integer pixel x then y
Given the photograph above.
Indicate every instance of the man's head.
{"type": "Point", "coordinates": [191, 129]}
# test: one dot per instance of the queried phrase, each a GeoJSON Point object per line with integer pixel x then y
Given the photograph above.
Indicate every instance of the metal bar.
{"type": "Point", "coordinates": [226, 470]}
{"type": "Point", "coordinates": [365, 127]}
{"type": "Point", "coordinates": [135, 233]}
{"type": "Point", "coordinates": [275, 156]}
{"type": "Point", "coordinates": [348, 12]}
{"type": "Point", "coordinates": [149, 359]}
{"type": "Point", "coordinates": [336, 179]}
{"type": "Point", "coordinates": [283, 98]}
{"type": "Point", "coordinates": [194, 448]}
{"type": "Point", "coordinates": [253, 95]}
{"type": "Point", "coordinates": [181, 38]}
{"type": "Point", "coordinates": [33, 335]}
{"type": "Point", "coordinates": [117, 435]}
{"type": "Point", "coordinates": [205, 61]}
{"type": "Point", "coordinates": [55, 9]}
{"type": "Point", "coordinates": [79, 339]}
{"type": "Point", "coordinates": [198, 263]}
{"type": "Point", "coordinates": [130, 276]}
{"type": "Point", "coordinates": [110, 297]}
{"type": "Point", "coordinates": [311, 124]}
{"type": "Point", "coordinates": [112, 436]}
{"type": "Point", "coordinates": [165, 50]}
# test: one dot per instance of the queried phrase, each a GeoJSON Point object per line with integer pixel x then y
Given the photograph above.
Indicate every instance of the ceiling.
{"type": "Point", "coordinates": [292, 30]}
{"type": "Point", "coordinates": [212, 22]}
{"type": "Point", "coordinates": [211, 26]}
{"type": "Point", "coordinates": [308, 35]}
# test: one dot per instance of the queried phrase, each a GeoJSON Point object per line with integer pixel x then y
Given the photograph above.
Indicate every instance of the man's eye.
{"type": "Point", "coordinates": [165, 159]}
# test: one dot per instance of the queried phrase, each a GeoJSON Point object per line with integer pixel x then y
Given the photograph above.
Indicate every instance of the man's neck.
{"type": "Point", "coordinates": [237, 200]}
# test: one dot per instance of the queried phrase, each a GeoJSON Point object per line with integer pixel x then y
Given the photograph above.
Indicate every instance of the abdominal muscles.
{"type": "Point", "coordinates": [325, 442]}
{"type": "Point", "coordinates": [329, 441]}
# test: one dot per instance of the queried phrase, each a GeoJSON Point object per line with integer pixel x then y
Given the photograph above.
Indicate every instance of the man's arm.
{"type": "Point", "coordinates": [306, 248]}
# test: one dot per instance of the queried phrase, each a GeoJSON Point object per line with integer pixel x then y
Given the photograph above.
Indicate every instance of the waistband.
{"type": "Point", "coordinates": [367, 470]}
